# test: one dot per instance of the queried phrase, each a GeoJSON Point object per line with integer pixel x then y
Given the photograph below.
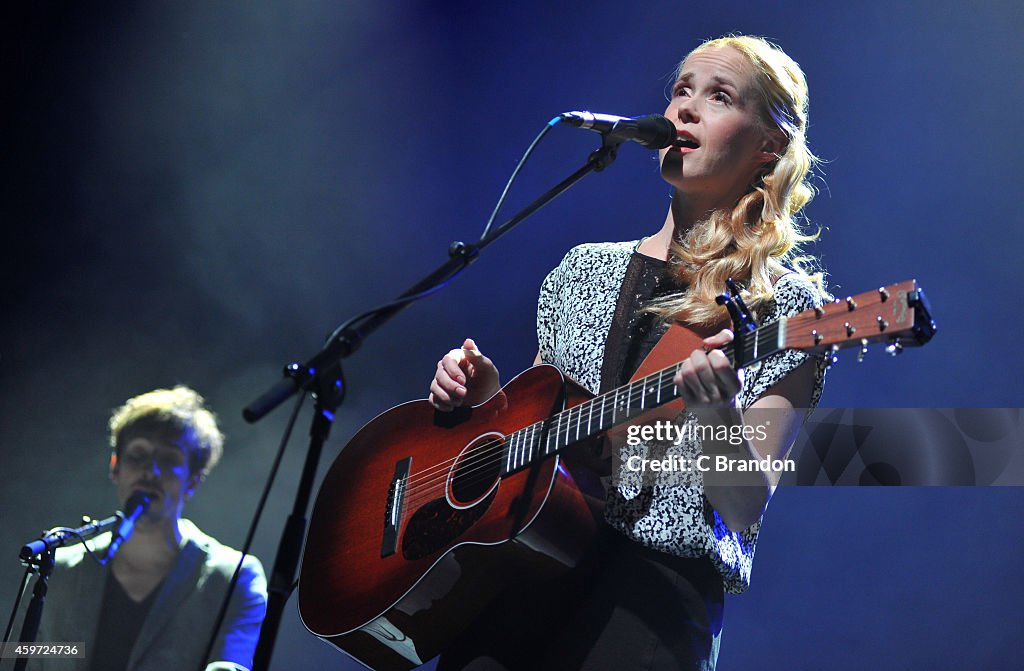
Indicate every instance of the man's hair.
{"type": "Point", "coordinates": [175, 415]}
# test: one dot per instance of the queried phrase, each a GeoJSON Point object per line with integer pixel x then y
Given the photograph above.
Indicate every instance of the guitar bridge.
{"type": "Point", "coordinates": [394, 506]}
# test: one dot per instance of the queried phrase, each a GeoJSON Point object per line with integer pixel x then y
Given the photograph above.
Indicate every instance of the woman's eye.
{"type": "Point", "coordinates": [681, 91]}
{"type": "Point", "coordinates": [721, 96]}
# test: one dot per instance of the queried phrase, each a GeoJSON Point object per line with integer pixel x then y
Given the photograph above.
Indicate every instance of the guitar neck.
{"type": "Point", "coordinates": [605, 411]}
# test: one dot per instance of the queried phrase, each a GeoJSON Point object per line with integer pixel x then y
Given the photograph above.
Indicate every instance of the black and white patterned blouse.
{"type": "Point", "coordinates": [667, 511]}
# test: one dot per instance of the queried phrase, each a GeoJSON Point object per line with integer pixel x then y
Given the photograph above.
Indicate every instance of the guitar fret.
{"type": "Point", "coordinates": [508, 458]}
{"type": "Point", "coordinates": [529, 449]}
{"type": "Point", "coordinates": [511, 447]}
{"type": "Point", "coordinates": [515, 452]}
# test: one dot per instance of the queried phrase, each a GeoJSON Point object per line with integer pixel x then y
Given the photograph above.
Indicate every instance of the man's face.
{"type": "Point", "coordinates": [153, 464]}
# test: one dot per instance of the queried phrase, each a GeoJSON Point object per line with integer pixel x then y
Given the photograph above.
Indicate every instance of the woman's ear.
{"type": "Point", "coordinates": [773, 145]}
{"type": "Point", "coordinates": [113, 465]}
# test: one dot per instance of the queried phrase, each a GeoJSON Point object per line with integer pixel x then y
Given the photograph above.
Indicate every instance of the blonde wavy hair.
{"type": "Point", "coordinates": [759, 239]}
{"type": "Point", "coordinates": [176, 415]}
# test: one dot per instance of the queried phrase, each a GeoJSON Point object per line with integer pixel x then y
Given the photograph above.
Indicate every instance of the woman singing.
{"type": "Point", "coordinates": [653, 596]}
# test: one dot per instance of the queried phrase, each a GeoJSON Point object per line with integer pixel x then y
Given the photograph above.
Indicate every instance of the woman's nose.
{"type": "Point", "coordinates": [687, 112]}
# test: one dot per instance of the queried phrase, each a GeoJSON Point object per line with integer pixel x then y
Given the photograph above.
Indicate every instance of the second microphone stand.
{"type": "Point", "coordinates": [316, 375]}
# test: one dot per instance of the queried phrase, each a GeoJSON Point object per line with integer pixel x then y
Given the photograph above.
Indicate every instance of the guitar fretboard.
{"type": "Point", "coordinates": [591, 418]}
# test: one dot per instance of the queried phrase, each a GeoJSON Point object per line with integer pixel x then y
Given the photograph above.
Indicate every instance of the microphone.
{"type": "Point", "coordinates": [653, 131]}
{"type": "Point", "coordinates": [136, 505]}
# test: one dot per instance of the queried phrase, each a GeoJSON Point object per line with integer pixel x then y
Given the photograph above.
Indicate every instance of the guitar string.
{"type": "Point", "coordinates": [630, 397]}
{"type": "Point", "coordinates": [483, 458]}
{"type": "Point", "coordinates": [556, 430]}
{"type": "Point", "coordinates": [486, 457]}
{"type": "Point", "coordinates": [490, 453]}
{"type": "Point", "coordinates": [500, 442]}
{"type": "Point", "coordinates": [493, 452]}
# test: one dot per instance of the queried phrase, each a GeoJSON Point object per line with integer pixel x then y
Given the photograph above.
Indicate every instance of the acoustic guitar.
{"type": "Point", "coordinates": [425, 516]}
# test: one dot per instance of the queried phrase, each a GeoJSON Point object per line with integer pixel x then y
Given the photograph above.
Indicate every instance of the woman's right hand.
{"type": "Point", "coordinates": [464, 377]}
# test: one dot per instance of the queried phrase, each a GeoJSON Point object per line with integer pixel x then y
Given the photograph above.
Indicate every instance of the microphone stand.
{"type": "Point", "coordinates": [41, 554]}
{"type": "Point", "coordinates": [318, 375]}
{"type": "Point", "coordinates": [329, 393]}
{"type": "Point", "coordinates": [34, 615]}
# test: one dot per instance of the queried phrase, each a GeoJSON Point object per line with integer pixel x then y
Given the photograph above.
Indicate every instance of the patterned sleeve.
{"type": "Point", "coordinates": [548, 310]}
{"type": "Point", "coordinates": [793, 294]}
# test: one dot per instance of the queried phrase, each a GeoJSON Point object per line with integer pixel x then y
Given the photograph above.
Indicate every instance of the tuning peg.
{"type": "Point", "coordinates": [863, 350]}
{"type": "Point", "coordinates": [832, 358]}
{"type": "Point", "coordinates": [895, 348]}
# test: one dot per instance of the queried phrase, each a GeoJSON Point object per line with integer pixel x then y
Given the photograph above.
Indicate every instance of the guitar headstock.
{"type": "Point", "coordinates": [896, 315]}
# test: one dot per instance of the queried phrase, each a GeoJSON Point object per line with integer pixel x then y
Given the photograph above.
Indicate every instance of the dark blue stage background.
{"type": "Point", "coordinates": [198, 192]}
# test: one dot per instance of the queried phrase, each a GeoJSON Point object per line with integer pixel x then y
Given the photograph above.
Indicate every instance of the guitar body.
{"type": "Point", "coordinates": [425, 516]}
{"type": "Point", "coordinates": [461, 532]}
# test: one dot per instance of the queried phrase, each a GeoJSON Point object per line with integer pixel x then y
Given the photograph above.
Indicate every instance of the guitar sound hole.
{"type": "Point", "coordinates": [477, 468]}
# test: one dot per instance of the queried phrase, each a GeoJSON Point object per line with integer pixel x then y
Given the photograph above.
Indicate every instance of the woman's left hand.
{"type": "Point", "coordinates": [706, 379]}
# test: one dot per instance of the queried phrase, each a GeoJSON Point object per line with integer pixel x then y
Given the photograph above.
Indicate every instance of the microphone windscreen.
{"type": "Point", "coordinates": [137, 500]}
{"type": "Point", "coordinates": [661, 131]}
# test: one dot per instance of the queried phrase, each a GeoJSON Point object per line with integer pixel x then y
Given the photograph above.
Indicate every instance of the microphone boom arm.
{"type": "Point", "coordinates": [63, 536]}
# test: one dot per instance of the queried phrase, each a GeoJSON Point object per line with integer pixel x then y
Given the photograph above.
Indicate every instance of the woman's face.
{"type": "Point", "coordinates": [715, 109]}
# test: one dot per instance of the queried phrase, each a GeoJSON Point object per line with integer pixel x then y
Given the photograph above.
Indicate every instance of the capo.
{"type": "Point", "coordinates": [742, 322]}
